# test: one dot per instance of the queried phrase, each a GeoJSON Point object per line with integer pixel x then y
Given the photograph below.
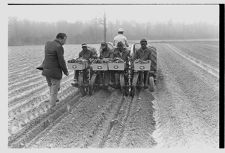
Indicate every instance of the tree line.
{"type": "Point", "coordinates": [25, 32]}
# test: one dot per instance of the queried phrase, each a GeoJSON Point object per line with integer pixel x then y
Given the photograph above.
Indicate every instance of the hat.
{"type": "Point", "coordinates": [143, 40]}
{"type": "Point", "coordinates": [103, 43]}
{"type": "Point", "coordinates": [120, 30]}
{"type": "Point", "coordinates": [84, 45]}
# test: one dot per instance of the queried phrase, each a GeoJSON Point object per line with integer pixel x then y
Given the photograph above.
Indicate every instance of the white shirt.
{"type": "Point", "coordinates": [122, 38]}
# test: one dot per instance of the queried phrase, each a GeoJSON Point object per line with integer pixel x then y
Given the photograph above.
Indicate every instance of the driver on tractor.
{"type": "Point", "coordinates": [85, 54]}
{"type": "Point", "coordinates": [144, 53]}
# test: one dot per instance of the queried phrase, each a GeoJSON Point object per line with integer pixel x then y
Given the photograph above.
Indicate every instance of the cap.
{"type": "Point", "coordinates": [120, 30]}
{"type": "Point", "coordinates": [143, 40]}
{"type": "Point", "coordinates": [84, 45]}
{"type": "Point", "coordinates": [103, 43]}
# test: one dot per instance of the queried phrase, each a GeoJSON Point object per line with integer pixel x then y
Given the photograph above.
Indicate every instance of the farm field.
{"type": "Point", "coordinates": [207, 52]}
{"type": "Point", "coordinates": [182, 112]}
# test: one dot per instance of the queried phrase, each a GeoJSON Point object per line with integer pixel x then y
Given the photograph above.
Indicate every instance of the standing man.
{"type": "Point", "coordinates": [120, 38]}
{"type": "Point", "coordinates": [54, 64]}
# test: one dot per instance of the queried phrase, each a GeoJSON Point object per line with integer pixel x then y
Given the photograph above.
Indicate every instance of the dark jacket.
{"type": "Point", "coordinates": [143, 54]}
{"type": "Point", "coordinates": [87, 54]}
{"type": "Point", "coordinates": [125, 54]}
{"type": "Point", "coordinates": [54, 62]}
{"type": "Point", "coordinates": [107, 53]}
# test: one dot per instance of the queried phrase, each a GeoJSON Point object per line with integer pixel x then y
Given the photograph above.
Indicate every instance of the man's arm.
{"type": "Point", "coordinates": [114, 42]}
{"type": "Point", "coordinates": [111, 54]}
{"type": "Point", "coordinates": [149, 55]}
{"type": "Point", "coordinates": [135, 55]}
{"type": "Point", "coordinates": [126, 42]}
{"type": "Point", "coordinates": [62, 63]}
{"type": "Point", "coordinates": [80, 54]}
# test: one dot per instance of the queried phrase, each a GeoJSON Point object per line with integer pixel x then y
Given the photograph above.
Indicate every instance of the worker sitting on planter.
{"type": "Point", "coordinates": [85, 54]}
{"type": "Point", "coordinates": [144, 53]}
{"type": "Point", "coordinates": [105, 54]}
{"type": "Point", "coordinates": [120, 53]}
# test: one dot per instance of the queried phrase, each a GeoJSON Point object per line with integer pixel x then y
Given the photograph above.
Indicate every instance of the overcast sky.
{"type": "Point", "coordinates": [140, 13]}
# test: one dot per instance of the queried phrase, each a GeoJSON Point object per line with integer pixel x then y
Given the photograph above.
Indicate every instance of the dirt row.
{"type": "Point", "coordinates": [107, 119]}
{"type": "Point", "coordinates": [186, 105]}
{"type": "Point", "coordinates": [182, 112]}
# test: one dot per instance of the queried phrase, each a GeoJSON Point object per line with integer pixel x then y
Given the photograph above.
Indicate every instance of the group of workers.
{"type": "Point", "coordinates": [120, 44]}
{"type": "Point", "coordinates": [54, 63]}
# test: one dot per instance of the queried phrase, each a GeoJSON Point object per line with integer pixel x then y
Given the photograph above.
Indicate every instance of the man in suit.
{"type": "Point", "coordinates": [54, 64]}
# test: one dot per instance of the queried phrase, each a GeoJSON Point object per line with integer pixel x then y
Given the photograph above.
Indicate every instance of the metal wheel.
{"type": "Point", "coordinates": [153, 60]}
{"type": "Point", "coordinates": [151, 84]}
{"type": "Point", "coordinates": [91, 84]}
{"type": "Point", "coordinates": [147, 79]}
{"type": "Point", "coordinates": [81, 84]}
{"type": "Point", "coordinates": [122, 83]}
{"type": "Point", "coordinates": [134, 83]}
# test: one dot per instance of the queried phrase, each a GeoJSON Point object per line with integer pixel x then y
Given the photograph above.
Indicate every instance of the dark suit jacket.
{"type": "Point", "coordinates": [54, 62]}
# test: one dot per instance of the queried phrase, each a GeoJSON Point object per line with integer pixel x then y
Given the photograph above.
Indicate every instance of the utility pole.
{"type": "Point", "coordinates": [104, 27]}
{"type": "Point", "coordinates": [99, 20]}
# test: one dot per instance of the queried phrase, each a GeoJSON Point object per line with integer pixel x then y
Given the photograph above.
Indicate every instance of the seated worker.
{"type": "Point", "coordinates": [85, 54]}
{"type": "Point", "coordinates": [143, 53]}
{"type": "Point", "coordinates": [120, 52]}
{"type": "Point", "coordinates": [105, 51]}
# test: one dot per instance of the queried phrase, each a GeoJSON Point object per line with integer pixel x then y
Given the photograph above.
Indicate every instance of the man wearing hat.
{"type": "Point", "coordinates": [85, 54]}
{"type": "Point", "coordinates": [105, 51]}
{"type": "Point", "coordinates": [54, 64]}
{"type": "Point", "coordinates": [120, 38]}
{"type": "Point", "coordinates": [144, 53]}
{"type": "Point", "coordinates": [120, 52]}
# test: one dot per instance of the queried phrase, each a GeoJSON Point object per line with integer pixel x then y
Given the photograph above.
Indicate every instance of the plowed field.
{"type": "Point", "coordinates": [182, 112]}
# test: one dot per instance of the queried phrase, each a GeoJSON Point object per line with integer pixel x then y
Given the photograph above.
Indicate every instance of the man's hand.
{"type": "Point", "coordinates": [67, 74]}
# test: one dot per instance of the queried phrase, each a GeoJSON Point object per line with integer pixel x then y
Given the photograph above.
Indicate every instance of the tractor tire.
{"type": "Point", "coordinates": [122, 83]}
{"type": "Point", "coordinates": [81, 84]}
{"type": "Point", "coordinates": [151, 84]}
{"type": "Point", "coordinates": [153, 59]}
{"type": "Point", "coordinates": [91, 84]}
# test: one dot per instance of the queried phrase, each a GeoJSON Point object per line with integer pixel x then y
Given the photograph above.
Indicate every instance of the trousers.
{"type": "Point", "coordinates": [54, 86]}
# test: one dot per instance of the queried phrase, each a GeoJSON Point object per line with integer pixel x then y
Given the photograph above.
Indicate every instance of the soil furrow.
{"type": "Point", "coordinates": [79, 125]}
